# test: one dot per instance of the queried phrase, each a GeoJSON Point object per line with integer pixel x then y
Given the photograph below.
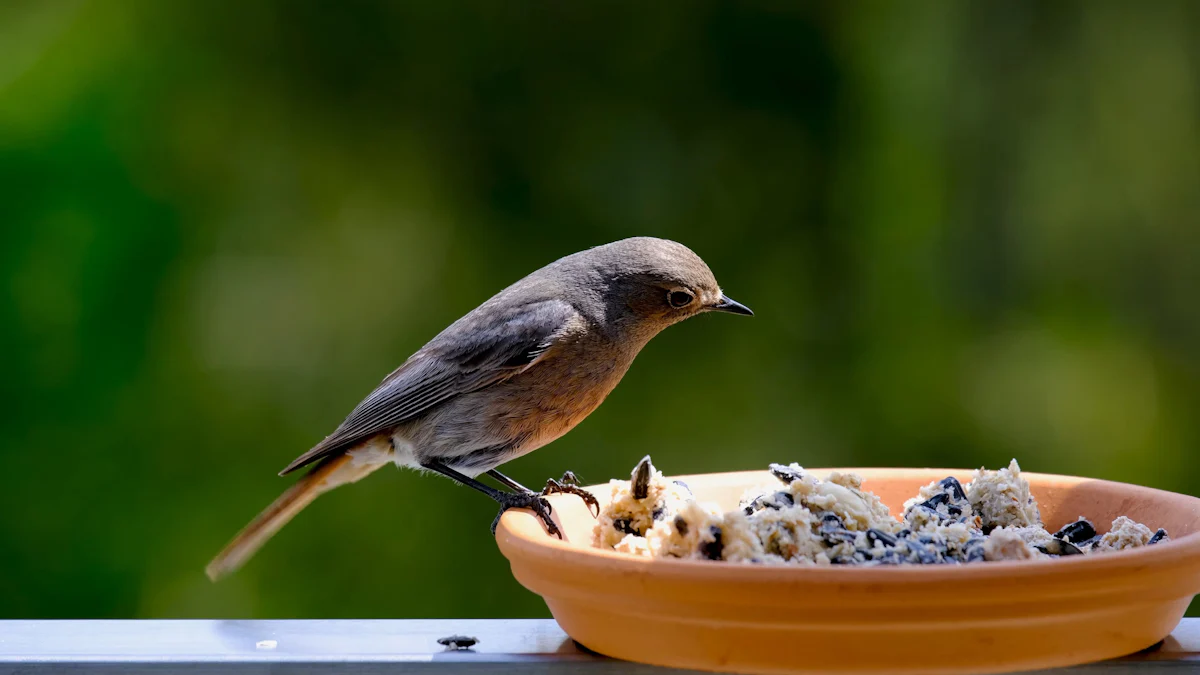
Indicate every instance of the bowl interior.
{"type": "Point", "coordinates": [1061, 500]}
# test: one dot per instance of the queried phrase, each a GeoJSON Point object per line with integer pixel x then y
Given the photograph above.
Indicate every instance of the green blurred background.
{"type": "Point", "coordinates": [969, 232]}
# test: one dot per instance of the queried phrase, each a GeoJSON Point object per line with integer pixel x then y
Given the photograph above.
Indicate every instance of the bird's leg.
{"type": "Point", "coordinates": [521, 500]}
{"type": "Point", "coordinates": [569, 484]}
{"type": "Point", "coordinates": [508, 482]}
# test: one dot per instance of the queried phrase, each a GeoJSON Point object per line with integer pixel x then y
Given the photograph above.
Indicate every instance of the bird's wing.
{"type": "Point", "coordinates": [477, 351]}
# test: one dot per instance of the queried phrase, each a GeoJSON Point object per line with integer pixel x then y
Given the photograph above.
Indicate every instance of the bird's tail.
{"type": "Point", "coordinates": [328, 474]}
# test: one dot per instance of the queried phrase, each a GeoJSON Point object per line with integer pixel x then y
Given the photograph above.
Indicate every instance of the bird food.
{"type": "Point", "coordinates": [803, 520]}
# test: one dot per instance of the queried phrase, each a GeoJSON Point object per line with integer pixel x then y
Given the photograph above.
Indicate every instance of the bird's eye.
{"type": "Point", "coordinates": [679, 298]}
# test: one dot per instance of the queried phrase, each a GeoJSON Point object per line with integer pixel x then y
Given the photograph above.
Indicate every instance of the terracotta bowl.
{"type": "Point", "coordinates": [979, 617]}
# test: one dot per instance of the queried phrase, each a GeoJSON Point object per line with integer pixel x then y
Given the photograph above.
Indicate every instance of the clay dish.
{"type": "Point", "coordinates": [978, 617]}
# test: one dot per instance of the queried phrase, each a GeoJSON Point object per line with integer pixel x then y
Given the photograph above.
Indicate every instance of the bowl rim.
{"type": "Point", "coordinates": [520, 529]}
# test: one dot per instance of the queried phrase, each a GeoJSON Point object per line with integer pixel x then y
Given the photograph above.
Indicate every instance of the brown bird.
{"type": "Point", "coordinates": [514, 374]}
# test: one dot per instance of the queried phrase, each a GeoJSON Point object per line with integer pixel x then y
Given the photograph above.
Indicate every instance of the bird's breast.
{"type": "Point", "coordinates": [547, 401]}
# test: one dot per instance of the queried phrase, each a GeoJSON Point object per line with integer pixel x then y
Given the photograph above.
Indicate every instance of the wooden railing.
{"type": "Point", "coordinates": [376, 646]}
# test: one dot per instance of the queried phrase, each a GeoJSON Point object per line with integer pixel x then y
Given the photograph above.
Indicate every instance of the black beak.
{"type": "Point", "coordinates": [732, 306]}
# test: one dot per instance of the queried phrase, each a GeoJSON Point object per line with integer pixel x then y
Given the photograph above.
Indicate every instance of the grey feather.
{"type": "Point", "coordinates": [472, 354]}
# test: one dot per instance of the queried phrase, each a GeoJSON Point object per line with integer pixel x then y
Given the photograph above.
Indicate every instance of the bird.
{"type": "Point", "coordinates": [510, 376]}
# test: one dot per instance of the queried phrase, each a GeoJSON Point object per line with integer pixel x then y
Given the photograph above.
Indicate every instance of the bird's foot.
{"type": "Point", "coordinates": [528, 500]}
{"type": "Point", "coordinates": [569, 484]}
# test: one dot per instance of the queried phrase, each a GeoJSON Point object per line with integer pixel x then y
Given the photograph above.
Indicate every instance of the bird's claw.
{"type": "Point", "coordinates": [529, 500]}
{"type": "Point", "coordinates": [569, 484]}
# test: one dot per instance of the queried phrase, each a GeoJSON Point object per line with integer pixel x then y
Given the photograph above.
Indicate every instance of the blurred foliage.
{"type": "Point", "coordinates": [969, 232]}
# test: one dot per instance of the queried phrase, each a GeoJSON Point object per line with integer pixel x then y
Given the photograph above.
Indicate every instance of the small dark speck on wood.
{"type": "Point", "coordinates": [458, 642]}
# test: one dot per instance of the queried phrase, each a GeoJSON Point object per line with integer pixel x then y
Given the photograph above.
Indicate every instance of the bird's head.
{"type": "Point", "coordinates": [653, 283]}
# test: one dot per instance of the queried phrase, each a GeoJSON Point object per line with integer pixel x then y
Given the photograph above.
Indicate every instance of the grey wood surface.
{"type": "Point", "coordinates": [374, 646]}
